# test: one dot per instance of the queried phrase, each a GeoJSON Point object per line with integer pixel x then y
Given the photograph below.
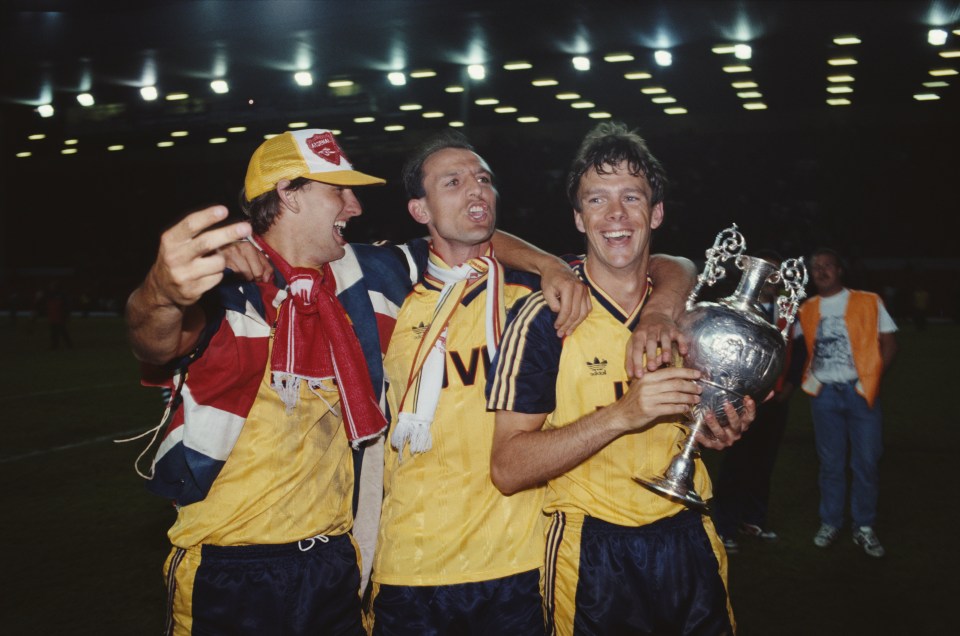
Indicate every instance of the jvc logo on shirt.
{"type": "Point", "coordinates": [467, 372]}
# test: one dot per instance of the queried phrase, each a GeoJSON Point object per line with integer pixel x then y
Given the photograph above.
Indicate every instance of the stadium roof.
{"type": "Point", "coordinates": [224, 69]}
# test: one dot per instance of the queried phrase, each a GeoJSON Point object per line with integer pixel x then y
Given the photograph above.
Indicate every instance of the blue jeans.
{"type": "Point", "coordinates": [843, 421]}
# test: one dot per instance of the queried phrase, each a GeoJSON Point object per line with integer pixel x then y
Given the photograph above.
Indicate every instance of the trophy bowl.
{"type": "Point", "coordinates": [738, 354]}
{"type": "Point", "coordinates": [737, 350]}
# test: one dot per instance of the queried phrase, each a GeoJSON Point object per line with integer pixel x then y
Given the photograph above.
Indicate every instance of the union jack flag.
{"type": "Point", "coordinates": [215, 386]}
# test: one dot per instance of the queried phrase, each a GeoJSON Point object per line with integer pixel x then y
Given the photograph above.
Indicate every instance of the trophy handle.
{"type": "Point", "coordinates": [793, 273]}
{"type": "Point", "coordinates": [728, 244]}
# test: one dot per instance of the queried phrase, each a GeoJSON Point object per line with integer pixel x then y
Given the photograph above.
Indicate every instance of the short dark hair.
{"type": "Point", "coordinates": [610, 144]}
{"type": "Point", "coordinates": [264, 209]}
{"type": "Point", "coordinates": [412, 174]}
{"type": "Point", "coordinates": [829, 251]}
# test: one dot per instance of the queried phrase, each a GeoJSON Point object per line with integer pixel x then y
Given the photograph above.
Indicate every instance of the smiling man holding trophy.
{"type": "Point", "coordinates": [620, 558]}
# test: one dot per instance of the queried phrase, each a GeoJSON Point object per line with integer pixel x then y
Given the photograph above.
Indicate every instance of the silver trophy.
{"type": "Point", "coordinates": [737, 351]}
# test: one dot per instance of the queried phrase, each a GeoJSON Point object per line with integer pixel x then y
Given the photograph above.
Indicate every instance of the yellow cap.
{"type": "Point", "coordinates": [314, 154]}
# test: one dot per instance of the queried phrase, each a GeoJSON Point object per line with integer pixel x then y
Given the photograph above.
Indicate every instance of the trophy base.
{"type": "Point", "coordinates": [676, 491]}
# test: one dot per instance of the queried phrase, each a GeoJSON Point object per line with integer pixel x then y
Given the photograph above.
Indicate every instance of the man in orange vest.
{"type": "Point", "coordinates": [849, 337]}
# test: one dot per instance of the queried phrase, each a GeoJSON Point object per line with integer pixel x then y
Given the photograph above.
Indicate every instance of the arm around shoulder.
{"type": "Point", "coordinates": [563, 291]}
{"type": "Point", "coordinates": [673, 280]}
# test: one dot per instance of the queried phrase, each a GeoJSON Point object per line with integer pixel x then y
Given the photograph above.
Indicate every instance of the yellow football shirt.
{"type": "Point", "coordinates": [289, 476]}
{"type": "Point", "coordinates": [537, 373]}
{"type": "Point", "coordinates": [443, 521]}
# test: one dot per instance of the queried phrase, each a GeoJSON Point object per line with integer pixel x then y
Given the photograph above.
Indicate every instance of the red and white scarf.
{"type": "Point", "coordinates": [419, 404]}
{"type": "Point", "coordinates": [314, 342]}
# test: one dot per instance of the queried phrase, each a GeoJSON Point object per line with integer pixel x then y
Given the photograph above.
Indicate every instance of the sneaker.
{"type": "Point", "coordinates": [753, 530]}
{"type": "Point", "coordinates": [867, 539]}
{"type": "Point", "coordinates": [730, 545]}
{"type": "Point", "coordinates": [825, 536]}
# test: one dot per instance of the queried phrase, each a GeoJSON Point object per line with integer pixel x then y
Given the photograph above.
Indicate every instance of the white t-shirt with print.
{"type": "Point", "coordinates": [832, 355]}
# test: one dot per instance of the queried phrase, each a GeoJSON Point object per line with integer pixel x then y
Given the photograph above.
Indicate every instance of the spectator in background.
{"type": "Point", "coordinates": [85, 303]}
{"type": "Point", "coordinates": [37, 308]}
{"type": "Point", "coordinates": [55, 306]}
{"type": "Point", "coordinates": [850, 343]}
{"type": "Point", "coordinates": [13, 303]}
{"type": "Point", "coordinates": [742, 490]}
{"type": "Point", "coordinates": [921, 308]}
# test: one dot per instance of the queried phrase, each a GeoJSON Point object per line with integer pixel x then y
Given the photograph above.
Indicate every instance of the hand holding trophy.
{"type": "Point", "coordinates": [738, 352]}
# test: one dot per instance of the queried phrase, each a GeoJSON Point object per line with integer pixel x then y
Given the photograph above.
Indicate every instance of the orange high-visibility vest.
{"type": "Point", "coordinates": [862, 320]}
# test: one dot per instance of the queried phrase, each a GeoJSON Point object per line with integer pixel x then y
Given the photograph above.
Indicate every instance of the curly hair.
{"type": "Point", "coordinates": [610, 144]}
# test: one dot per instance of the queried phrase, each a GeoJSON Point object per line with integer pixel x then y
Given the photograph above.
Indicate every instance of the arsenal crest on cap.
{"type": "Point", "coordinates": [325, 146]}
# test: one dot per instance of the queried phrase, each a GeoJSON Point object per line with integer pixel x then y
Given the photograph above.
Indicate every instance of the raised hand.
{"type": "Point", "coordinates": [163, 319]}
{"type": "Point", "coordinates": [189, 261]}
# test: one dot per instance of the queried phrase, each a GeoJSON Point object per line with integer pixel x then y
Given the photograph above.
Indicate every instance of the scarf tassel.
{"type": "Point", "coordinates": [287, 386]}
{"type": "Point", "coordinates": [426, 379]}
{"type": "Point", "coordinates": [414, 430]}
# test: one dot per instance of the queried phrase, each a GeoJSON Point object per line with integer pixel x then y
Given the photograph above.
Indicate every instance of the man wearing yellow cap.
{"type": "Point", "coordinates": [271, 385]}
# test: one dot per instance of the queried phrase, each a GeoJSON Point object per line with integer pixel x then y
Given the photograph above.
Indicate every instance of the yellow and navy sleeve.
{"type": "Point", "coordinates": [523, 374]}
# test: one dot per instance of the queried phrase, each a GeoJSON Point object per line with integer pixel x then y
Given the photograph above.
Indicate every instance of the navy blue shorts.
{"type": "Point", "coordinates": [308, 587]}
{"type": "Point", "coordinates": [509, 605]}
{"type": "Point", "coordinates": [662, 578]}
